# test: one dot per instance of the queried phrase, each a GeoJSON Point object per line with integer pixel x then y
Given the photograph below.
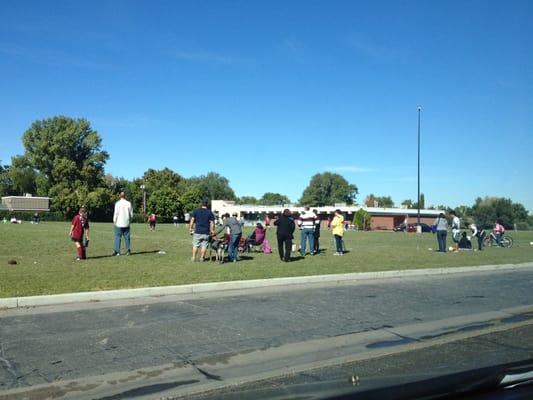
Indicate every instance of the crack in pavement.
{"type": "Point", "coordinates": [10, 368]}
{"type": "Point", "coordinates": [208, 375]}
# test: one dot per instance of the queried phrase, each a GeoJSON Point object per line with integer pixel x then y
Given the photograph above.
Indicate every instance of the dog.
{"type": "Point", "coordinates": [218, 246]}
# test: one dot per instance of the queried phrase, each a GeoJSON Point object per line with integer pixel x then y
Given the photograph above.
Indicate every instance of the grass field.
{"type": "Point", "coordinates": [46, 258]}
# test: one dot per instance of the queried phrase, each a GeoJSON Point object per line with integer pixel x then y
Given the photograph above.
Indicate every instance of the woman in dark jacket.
{"type": "Point", "coordinates": [285, 231]}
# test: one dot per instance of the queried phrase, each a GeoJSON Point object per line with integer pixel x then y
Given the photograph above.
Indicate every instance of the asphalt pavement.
{"type": "Point", "coordinates": [185, 345]}
{"type": "Point", "coordinates": [488, 350]}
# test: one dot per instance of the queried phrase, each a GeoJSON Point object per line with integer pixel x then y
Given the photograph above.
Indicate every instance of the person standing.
{"type": "Point", "coordinates": [202, 227]}
{"type": "Point", "coordinates": [316, 233]}
{"type": "Point", "coordinates": [122, 219]}
{"type": "Point", "coordinates": [441, 224]}
{"type": "Point", "coordinates": [36, 218]}
{"type": "Point", "coordinates": [78, 229]}
{"type": "Point", "coordinates": [480, 234]}
{"type": "Point", "coordinates": [235, 232]}
{"type": "Point", "coordinates": [152, 220]}
{"type": "Point", "coordinates": [456, 230]}
{"type": "Point", "coordinates": [337, 225]}
{"type": "Point", "coordinates": [307, 225]}
{"type": "Point", "coordinates": [285, 232]}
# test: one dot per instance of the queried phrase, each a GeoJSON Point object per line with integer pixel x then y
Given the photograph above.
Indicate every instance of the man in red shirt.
{"type": "Point", "coordinates": [79, 227]}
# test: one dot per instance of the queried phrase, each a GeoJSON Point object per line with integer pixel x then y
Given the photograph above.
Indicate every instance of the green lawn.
{"type": "Point", "coordinates": [46, 258]}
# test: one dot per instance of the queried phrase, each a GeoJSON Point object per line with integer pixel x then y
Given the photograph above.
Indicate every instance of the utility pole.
{"type": "Point", "coordinates": [419, 108]}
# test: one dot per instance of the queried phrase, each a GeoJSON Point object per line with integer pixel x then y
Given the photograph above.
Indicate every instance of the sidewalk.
{"type": "Point", "coordinates": [201, 288]}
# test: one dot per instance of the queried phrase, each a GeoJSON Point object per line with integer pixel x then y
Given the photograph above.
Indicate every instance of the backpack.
{"type": "Point", "coordinates": [266, 247]}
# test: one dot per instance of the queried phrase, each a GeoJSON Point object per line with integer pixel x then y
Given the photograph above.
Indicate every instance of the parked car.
{"type": "Point", "coordinates": [411, 227]}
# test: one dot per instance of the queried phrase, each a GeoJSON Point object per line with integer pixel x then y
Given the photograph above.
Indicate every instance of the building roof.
{"type": "Point", "coordinates": [225, 206]}
{"type": "Point", "coordinates": [26, 203]}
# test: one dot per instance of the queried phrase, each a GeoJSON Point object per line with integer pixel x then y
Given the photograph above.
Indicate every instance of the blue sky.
{"type": "Point", "coordinates": [268, 93]}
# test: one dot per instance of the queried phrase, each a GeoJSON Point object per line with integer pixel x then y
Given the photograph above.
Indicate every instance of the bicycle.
{"type": "Point", "coordinates": [505, 240]}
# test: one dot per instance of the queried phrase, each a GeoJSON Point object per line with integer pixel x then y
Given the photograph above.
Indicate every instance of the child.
{"type": "Point", "coordinates": [152, 219]}
{"type": "Point", "coordinates": [79, 227]}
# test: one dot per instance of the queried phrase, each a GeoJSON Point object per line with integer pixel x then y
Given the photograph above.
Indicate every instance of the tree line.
{"type": "Point", "coordinates": [64, 159]}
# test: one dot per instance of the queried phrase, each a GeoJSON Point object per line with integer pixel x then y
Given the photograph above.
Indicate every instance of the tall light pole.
{"type": "Point", "coordinates": [419, 108]}
{"type": "Point", "coordinates": [143, 188]}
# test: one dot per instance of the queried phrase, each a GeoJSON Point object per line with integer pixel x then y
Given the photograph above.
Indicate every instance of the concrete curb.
{"type": "Point", "coordinates": [123, 294]}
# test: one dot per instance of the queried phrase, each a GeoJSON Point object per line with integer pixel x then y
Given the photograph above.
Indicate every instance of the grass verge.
{"type": "Point", "coordinates": [46, 258]}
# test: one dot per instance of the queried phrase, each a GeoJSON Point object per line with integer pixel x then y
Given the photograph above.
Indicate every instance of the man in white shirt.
{"type": "Point", "coordinates": [456, 229]}
{"type": "Point", "coordinates": [121, 219]}
{"type": "Point", "coordinates": [306, 222]}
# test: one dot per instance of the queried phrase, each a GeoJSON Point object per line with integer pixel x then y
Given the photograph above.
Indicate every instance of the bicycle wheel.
{"type": "Point", "coordinates": [487, 242]}
{"type": "Point", "coordinates": [506, 241]}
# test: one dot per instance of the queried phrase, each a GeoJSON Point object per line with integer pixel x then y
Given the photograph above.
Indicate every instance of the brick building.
{"type": "Point", "coordinates": [382, 218]}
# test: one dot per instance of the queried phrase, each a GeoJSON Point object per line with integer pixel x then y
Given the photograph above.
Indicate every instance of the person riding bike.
{"type": "Point", "coordinates": [498, 230]}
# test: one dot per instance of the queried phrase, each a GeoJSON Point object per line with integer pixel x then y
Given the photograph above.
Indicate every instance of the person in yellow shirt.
{"type": "Point", "coordinates": [337, 226]}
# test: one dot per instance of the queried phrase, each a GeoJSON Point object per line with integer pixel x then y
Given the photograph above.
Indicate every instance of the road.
{"type": "Point", "coordinates": [183, 345]}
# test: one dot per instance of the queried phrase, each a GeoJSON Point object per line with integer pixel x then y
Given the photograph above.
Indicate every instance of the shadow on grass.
{"type": "Point", "coordinates": [297, 258]}
{"type": "Point", "coordinates": [226, 260]}
{"type": "Point", "coordinates": [133, 253]}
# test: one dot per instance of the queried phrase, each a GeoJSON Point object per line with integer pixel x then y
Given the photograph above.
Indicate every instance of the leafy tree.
{"type": "Point", "coordinates": [99, 203]}
{"type": "Point", "coordinates": [132, 189]}
{"type": "Point", "coordinates": [164, 202]}
{"type": "Point", "coordinates": [520, 213]}
{"type": "Point", "coordinates": [370, 200]}
{"type": "Point", "coordinates": [439, 207]}
{"type": "Point", "coordinates": [362, 219]}
{"type": "Point", "coordinates": [67, 157]}
{"type": "Point", "coordinates": [270, 199]}
{"type": "Point", "coordinates": [408, 203]}
{"type": "Point", "coordinates": [247, 200]}
{"type": "Point", "coordinates": [190, 199]}
{"type": "Point", "coordinates": [212, 186]}
{"type": "Point", "coordinates": [327, 189]}
{"type": "Point", "coordinates": [383, 201]}
{"type": "Point", "coordinates": [486, 211]}
{"type": "Point", "coordinates": [22, 177]}
{"type": "Point", "coordinates": [422, 202]}
{"type": "Point", "coordinates": [6, 183]}
{"type": "Point", "coordinates": [159, 179]}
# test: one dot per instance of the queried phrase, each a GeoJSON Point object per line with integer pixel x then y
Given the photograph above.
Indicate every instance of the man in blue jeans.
{"type": "Point", "coordinates": [307, 222]}
{"type": "Point", "coordinates": [122, 219]}
{"type": "Point", "coordinates": [235, 231]}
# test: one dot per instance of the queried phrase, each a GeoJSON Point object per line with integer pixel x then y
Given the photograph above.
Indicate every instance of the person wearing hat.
{"type": "Point", "coordinates": [233, 225]}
